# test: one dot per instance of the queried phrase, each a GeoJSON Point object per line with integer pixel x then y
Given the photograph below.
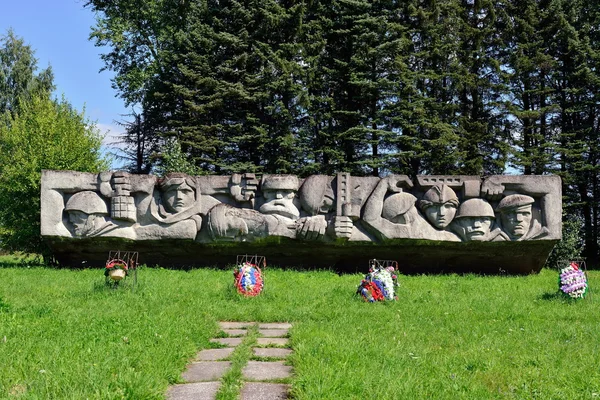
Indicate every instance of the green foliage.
{"type": "Point", "coordinates": [570, 246]}
{"type": "Point", "coordinates": [172, 159]}
{"type": "Point", "coordinates": [18, 78]}
{"type": "Point", "coordinates": [44, 134]}
{"type": "Point", "coordinates": [447, 337]}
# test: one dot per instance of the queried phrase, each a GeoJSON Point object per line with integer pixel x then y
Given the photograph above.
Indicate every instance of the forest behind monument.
{"type": "Point", "coordinates": [367, 87]}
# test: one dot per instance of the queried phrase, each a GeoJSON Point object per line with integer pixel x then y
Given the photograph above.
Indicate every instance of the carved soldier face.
{"type": "Point", "coordinates": [281, 202]}
{"type": "Point", "coordinates": [83, 224]}
{"type": "Point", "coordinates": [178, 197]}
{"type": "Point", "coordinates": [475, 228]}
{"type": "Point", "coordinates": [440, 215]}
{"type": "Point", "coordinates": [516, 221]}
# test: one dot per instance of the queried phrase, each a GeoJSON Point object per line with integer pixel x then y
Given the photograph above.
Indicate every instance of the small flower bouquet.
{"type": "Point", "coordinates": [116, 269]}
{"type": "Point", "coordinates": [379, 284]}
{"type": "Point", "coordinates": [572, 281]}
{"type": "Point", "coordinates": [248, 279]}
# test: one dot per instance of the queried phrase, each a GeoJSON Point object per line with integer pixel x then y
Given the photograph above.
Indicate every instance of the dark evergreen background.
{"type": "Point", "coordinates": [368, 87]}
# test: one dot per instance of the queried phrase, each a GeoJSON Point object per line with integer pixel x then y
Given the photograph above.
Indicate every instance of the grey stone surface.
{"type": "Point", "coordinates": [194, 391]}
{"type": "Point", "coordinates": [264, 391]}
{"type": "Point", "coordinates": [170, 220]}
{"type": "Point", "coordinates": [235, 325]}
{"type": "Point", "coordinates": [214, 354]}
{"type": "Point", "coordinates": [275, 341]}
{"type": "Point", "coordinates": [236, 332]}
{"type": "Point", "coordinates": [271, 352]}
{"type": "Point", "coordinates": [205, 371]}
{"type": "Point", "coordinates": [273, 332]}
{"type": "Point", "coordinates": [275, 325]}
{"type": "Point", "coordinates": [232, 342]}
{"type": "Point", "coordinates": [266, 370]}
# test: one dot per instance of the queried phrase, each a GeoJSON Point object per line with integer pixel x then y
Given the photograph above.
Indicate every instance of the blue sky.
{"type": "Point", "coordinates": [58, 31]}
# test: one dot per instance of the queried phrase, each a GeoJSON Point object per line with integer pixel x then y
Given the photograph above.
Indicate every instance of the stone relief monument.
{"type": "Point", "coordinates": [431, 224]}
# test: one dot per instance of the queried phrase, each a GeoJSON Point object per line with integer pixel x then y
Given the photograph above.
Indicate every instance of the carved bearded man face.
{"type": "Point", "coordinates": [279, 192]}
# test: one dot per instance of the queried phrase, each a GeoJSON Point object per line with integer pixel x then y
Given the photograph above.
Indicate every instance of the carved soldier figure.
{"type": "Point", "coordinates": [279, 192]}
{"type": "Point", "coordinates": [517, 218]}
{"type": "Point", "coordinates": [474, 220]}
{"type": "Point", "coordinates": [87, 213]}
{"type": "Point", "coordinates": [439, 204]}
{"type": "Point", "coordinates": [178, 201]}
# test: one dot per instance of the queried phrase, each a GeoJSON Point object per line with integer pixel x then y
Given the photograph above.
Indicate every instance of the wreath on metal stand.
{"type": "Point", "coordinates": [572, 279]}
{"type": "Point", "coordinates": [247, 275]}
{"type": "Point", "coordinates": [380, 283]}
{"type": "Point", "coordinates": [119, 264]}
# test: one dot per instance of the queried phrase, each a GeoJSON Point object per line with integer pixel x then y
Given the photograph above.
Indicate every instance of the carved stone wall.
{"type": "Point", "coordinates": [432, 224]}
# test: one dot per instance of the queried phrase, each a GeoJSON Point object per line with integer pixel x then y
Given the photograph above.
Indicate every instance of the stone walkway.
{"type": "Point", "coordinates": [202, 376]}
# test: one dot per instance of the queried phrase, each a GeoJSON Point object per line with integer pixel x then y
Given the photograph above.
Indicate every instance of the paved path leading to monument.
{"type": "Point", "coordinates": [261, 376]}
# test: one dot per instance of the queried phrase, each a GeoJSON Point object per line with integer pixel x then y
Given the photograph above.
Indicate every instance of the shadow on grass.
{"type": "Point", "coordinates": [556, 296]}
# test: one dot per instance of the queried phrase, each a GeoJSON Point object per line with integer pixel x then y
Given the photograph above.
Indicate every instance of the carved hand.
{"type": "Point", "coordinates": [342, 227]}
{"type": "Point", "coordinates": [311, 228]}
{"type": "Point", "coordinates": [491, 190]}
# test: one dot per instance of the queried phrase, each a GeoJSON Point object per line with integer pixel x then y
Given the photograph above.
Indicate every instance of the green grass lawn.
{"type": "Point", "coordinates": [64, 335]}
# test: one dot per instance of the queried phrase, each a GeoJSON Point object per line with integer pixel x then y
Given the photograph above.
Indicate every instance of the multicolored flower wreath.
{"type": "Point", "coordinates": [248, 279]}
{"type": "Point", "coordinates": [379, 285]}
{"type": "Point", "coordinates": [572, 281]}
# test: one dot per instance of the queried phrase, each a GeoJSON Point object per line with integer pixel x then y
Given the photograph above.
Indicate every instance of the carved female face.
{"type": "Point", "coordinates": [179, 197]}
{"type": "Point", "coordinates": [440, 215]}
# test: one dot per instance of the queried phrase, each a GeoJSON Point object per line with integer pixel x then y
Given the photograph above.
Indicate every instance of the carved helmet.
{"type": "Point", "coordinates": [313, 192]}
{"type": "Point", "coordinates": [439, 194]}
{"type": "Point", "coordinates": [475, 208]}
{"type": "Point", "coordinates": [397, 204]}
{"type": "Point", "coordinates": [88, 202]}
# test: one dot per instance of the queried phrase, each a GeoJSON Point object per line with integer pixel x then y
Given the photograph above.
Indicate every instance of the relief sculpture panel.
{"type": "Point", "coordinates": [343, 213]}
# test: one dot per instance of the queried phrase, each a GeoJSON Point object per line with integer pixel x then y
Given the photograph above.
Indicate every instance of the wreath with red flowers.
{"type": "Point", "coordinates": [113, 265]}
{"type": "Point", "coordinates": [248, 279]}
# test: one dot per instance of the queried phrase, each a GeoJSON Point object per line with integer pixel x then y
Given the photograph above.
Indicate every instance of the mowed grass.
{"type": "Point", "coordinates": [64, 335]}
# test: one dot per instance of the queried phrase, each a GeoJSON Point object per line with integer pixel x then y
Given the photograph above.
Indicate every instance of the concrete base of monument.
{"type": "Point", "coordinates": [413, 256]}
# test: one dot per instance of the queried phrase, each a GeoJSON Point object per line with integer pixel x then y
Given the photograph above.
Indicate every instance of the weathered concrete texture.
{"type": "Point", "coordinates": [271, 352]}
{"type": "Point", "coordinates": [205, 371]}
{"type": "Point", "coordinates": [275, 325]}
{"type": "Point", "coordinates": [231, 342]}
{"type": "Point", "coordinates": [214, 354]}
{"type": "Point", "coordinates": [494, 224]}
{"type": "Point", "coordinates": [235, 325]}
{"type": "Point", "coordinates": [264, 391]}
{"type": "Point", "coordinates": [194, 391]}
{"type": "Point", "coordinates": [273, 332]}
{"type": "Point", "coordinates": [264, 371]}
{"type": "Point", "coordinates": [236, 332]}
{"type": "Point", "coordinates": [274, 341]}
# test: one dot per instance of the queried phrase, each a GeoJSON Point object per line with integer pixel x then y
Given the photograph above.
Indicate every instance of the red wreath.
{"type": "Point", "coordinates": [238, 276]}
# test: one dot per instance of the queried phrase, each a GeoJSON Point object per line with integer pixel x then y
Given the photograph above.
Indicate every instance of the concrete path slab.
{"type": "Point", "coordinates": [273, 332]}
{"type": "Point", "coordinates": [214, 354]}
{"type": "Point", "coordinates": [194, 391]}
{"type": "Point", "coordinates": [275, 325]}
{"type": "Point", "coordinates": [231, 342]}
{"type": "Point", "coordinates": [264, 391]}
{"type": "Point", "coordinates": [271, 352]}
{"type": "Point", "coordinates": [205, 371]}
{"type": "Point", "coordinates": [275, 341]}
{"type": "Point", "coordinates": [236, 332]}
{"type": "Point", "coordinates": [235, 325]}
{"type": "Point", "coordinates": [263, 371]}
